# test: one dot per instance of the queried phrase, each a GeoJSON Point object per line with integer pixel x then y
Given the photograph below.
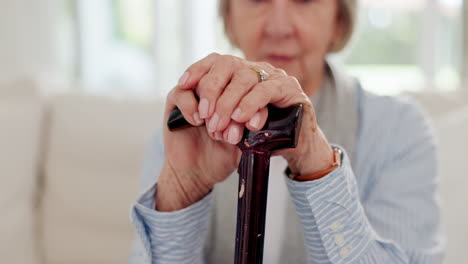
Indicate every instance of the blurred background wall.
{"type": "Point", "coordinates": [142, 46]}
{"type": "Point", "coordinates": [28, 37]}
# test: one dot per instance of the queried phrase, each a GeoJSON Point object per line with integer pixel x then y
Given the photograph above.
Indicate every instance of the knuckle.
{"type": "Point", "coordinates": [213, 55]}
{"type": "Point", "coordinates": [266, 66]}
{"type": "Point", "coordinates": [195, 67]}
{"type": "Point", "coordinates": [237, 62]}
{"type": "Point", "coordinates": [305, 98]}
{"type": "Point", "coordinates": [230, 61]}
{"type": "Point", "coordinates": [231, 58]}
{"type": "Point", "coordinates": [280, 71]}
{"type": "Point", "coordinates": [171, 94]}
{"type": "Point", "coordinates": [292, 79]}
{"type": "Point", "coordinates": [294, 82]}
{"type": "Point", "coordinates": [225, 59]}
{"type": "Point", "coordinates": [175, 97]}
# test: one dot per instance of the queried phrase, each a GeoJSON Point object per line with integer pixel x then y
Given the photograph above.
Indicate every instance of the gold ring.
{"type": "Point", "coordinates": [262, 74]}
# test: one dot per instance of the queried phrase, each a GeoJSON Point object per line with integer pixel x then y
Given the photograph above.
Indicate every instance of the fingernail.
{"type": "Point", "coordinates": [236, 115]}
{"type": "Point", "coordinates": [213, 123]}
{"type": "Point", "coordinates": [203, 108]}
{"type": "Point", "coordinates": [197, 118]}
{"type": "Point", "coordinates": [219, 135]}
{"type": "Point", "coordinates": [255, 120]}
{"type": "Point", "coordinates": [233, 135]}
{"type": "Point", "coordinates": [183, 78]}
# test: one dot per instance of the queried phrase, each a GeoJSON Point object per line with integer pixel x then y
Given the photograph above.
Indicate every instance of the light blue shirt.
{"type": "Point", "coordinates": [384, 205]}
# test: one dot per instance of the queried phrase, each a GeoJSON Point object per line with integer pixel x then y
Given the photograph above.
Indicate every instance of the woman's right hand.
{"type": "Point", "coordinates": [195, 160]}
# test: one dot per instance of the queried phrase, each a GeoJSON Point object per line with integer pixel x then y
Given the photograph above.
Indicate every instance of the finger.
{"type": "Point", "coordinates": [186, 102]}
{"type": "Point", "coordinates": [213, 83]}
{"type": "Point", "coordinates": [212, 135]}
{"type": "Point", "coordinates": [281, 92]}
{"type": "Point", "coordinates": [196, 71]}
{"type": "Point", "coordinates": [218, 136]}
{"type": "Point", "coordinates": [234, 132]}
{"type": "Point", "coordinates": [242, 82]}
{"type": "Point", "coordinates": [258, 120]}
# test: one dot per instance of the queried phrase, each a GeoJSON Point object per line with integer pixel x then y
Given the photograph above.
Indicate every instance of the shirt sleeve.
{"type": "Point", "coordinates": [172, 237]}
{"type": "Point", "coordinates": [167, 237]}
{"type": "Point", "coordinates": [396, 221]}
{"type": "Point", "coordinates": [335, 224]}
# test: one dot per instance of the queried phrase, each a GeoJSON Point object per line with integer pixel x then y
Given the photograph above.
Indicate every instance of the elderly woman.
{"type": "Point", "coordinates": [377, 204]}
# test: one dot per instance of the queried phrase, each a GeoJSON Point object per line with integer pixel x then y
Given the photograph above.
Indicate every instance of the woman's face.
{"type": "Point", "coordinates": [294, 35]}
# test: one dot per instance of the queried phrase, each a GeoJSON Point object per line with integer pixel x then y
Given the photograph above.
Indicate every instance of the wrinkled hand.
{"type": "Point", "coordinates": [230, 99]}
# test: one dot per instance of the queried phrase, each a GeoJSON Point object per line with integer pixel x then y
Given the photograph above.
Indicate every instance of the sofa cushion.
{"type": "Point", "coordinates": [20, 127]}
{"type": "Point", "coordinates": [93, 164]}
{"type": "Point", "coordinates": [440, 104]}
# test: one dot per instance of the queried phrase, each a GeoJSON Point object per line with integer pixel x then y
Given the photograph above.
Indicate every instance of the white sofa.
{"type": "Point", "coordinates": [69, 172]}
{"type": "Point", "coordinates": [70, 166]}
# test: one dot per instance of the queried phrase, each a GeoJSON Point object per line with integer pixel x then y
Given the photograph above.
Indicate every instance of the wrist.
{"type": "Point", "coordinates": [337, 159]}
{"type": "Point", "coordinates": [176, 191]}
{"type": "Point", "coordinates": [313, 153]}
{"type": "Point", "coordinates": [311, 158]}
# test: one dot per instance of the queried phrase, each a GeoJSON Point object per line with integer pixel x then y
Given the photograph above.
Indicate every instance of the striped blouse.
{"type": "Point", "coordinates": [383, 207]}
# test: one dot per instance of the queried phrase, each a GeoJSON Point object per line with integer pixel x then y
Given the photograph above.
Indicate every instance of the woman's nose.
{"type": "Point", "coordinates": [278, 23]}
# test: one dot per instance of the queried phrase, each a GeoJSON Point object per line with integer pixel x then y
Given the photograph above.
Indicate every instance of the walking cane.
{"type": "Point", "coordinates": [281, 131]}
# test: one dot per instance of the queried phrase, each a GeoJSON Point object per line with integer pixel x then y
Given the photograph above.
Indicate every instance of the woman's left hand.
{"type": "Point", "coordinates": [231, 96]}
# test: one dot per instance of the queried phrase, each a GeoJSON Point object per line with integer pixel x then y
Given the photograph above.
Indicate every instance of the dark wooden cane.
{"type": "Point", "coordinates": [281, 131]}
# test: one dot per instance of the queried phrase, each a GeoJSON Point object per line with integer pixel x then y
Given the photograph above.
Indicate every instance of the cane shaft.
{"type": "Point", "coordinates": [251, 206]}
